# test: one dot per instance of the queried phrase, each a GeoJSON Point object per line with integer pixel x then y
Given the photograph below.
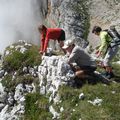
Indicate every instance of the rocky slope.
{"type": "Point", "coordinates": [103, 13]}
{"type": "Point", "coordinates": [20, 75]}
{"type": "Point", "coordinates": [32, 90]}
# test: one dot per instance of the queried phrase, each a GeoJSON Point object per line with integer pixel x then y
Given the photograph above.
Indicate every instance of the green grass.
{"type": "Point", "coordinates": [10, 83]}
{"type": "Point", "coordinates": [37, 107]}
{"type": "Point", "coordinates": [17, 60]}
{"type": "Point", "coordinates": [116, 69]}
{"type": "Point", "coordinates": [109, 109]}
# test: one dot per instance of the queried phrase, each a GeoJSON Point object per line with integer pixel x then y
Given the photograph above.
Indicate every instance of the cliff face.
{"type": "Point", "coordinates": [103, 13]}
{"type": "Point", "coordinates": [70, 15]}
{"type": "Point", "coordinates": [78, 17]}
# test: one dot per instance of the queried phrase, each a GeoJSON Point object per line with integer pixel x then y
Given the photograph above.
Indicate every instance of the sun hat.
{"type": "Point", "coordinates": [68, 43]}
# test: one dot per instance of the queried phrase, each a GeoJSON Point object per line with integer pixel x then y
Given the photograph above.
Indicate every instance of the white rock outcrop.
{"type": "Point", "coordinates": [54, 72]}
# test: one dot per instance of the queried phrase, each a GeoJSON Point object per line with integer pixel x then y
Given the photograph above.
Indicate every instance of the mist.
{"type": "Point", "coordinates": [19, 20]}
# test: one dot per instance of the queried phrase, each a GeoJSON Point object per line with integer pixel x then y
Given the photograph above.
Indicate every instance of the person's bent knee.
{"type": "Point", "coordinates": [79, 73]}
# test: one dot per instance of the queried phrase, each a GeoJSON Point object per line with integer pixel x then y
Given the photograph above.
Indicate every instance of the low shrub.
{"type": "Point", "coordinates": [20, 55]}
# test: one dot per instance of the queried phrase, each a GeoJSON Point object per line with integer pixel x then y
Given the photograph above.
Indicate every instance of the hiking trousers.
{"type": "Point", "coordinates": [112, 51]}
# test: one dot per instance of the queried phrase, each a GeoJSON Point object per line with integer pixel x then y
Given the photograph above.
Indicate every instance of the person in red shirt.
{"type": "Point", "coordinates": [50, 33]}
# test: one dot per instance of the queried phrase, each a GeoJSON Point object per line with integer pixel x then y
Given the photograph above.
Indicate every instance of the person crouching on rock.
{"type": "Point", "coordinates": [80, 61]}
{"type": "Point", "coordinates": [50, 33]}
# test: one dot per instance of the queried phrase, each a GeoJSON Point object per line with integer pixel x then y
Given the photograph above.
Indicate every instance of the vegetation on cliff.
{"type": "Point", "coordinates": [20, 63]}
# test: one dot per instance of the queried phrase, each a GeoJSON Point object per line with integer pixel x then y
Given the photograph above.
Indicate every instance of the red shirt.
{"type": "Point", "coordinates": [51, 33]}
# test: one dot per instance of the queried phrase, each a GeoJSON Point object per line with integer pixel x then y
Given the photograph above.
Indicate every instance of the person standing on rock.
{"type": "Point", "coordinates": [105, 49]}
{"type": "Point", "coordinates": [48, 34]}
{"type": "Point", "coordinates": [80, 61]}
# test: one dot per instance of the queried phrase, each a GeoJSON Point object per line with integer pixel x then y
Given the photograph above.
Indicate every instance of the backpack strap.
{"type": "Point", "coordinates": [106, 30]}
{"type": "Point", "coordinates": [112, 32]}
{"type": "Point", "coordinates": [116, 43]}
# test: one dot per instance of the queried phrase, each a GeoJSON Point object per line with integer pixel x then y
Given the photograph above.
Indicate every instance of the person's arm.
{"type": "Point", "coordinates": [46, 42]}
{"type": "Point", "coordinates": [72, 63]}
{"type": "Point", "coordinates": [71, 58]}
{"type": "Point", "coordinates": [103, 44]}
{"type": "Point", "coordinates": [42, 44]}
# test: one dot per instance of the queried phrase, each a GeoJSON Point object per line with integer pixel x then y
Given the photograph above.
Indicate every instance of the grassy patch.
{"type": "Point", "coordinates": [116, 69]}
{"type": "Point", "coordinates": [10, 83]}
{"type": "Point", "coordinates": [16, 60]}
{"type": "Point", "coordinates": [6, 81]}
{"type": "Point", "coordinates": [37, 107]}
{"type": "Point", "coordinates": [74, 108]}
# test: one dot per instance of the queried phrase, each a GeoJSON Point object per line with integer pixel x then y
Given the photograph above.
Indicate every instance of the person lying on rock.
{"type": "Point", "coordinates": [48, 34]}
{"type": "Point", "coordinates": [80, 61]}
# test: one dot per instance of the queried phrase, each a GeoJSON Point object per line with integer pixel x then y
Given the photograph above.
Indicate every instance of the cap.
{"type": "Point", "coordinates": [68, 43]}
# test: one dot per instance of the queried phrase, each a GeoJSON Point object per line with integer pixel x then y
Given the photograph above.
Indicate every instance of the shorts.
{"type": "Point", "coordinates": [62, 36]}
{"type": "Point", "coordinates": [88, 69]}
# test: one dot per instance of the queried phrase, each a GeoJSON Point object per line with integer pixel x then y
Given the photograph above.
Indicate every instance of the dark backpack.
{"type": "Point", "coordinates": [113, 33]}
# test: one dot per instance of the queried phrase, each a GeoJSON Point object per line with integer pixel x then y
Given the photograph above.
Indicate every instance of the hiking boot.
{"type": "Point", "coordinates": [110, 75]}
{"type": "Point", "coordinates": [105, 74]}
{"type": "Point", "coordinates": [78, 82]}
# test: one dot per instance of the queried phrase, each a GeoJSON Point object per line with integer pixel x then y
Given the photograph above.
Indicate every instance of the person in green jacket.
{"type": "Point", "coordinates": [106, 49]}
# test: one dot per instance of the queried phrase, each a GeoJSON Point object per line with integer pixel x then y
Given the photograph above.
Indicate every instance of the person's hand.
{"type": "Point", "coordinates": [98, 53]}
{"type": "Point", "coordinates": [44, 53]}
{"type": "Point", "coordinates": [41, 52]}
{"type": "Point", "coordinates": [77, 67]}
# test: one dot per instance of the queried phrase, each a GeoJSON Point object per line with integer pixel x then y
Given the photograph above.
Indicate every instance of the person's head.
{"type": "Point", "coordinates": [69, 45]}
{"type": "Point", "coordinates": [42, 28]}
{"type": "Point", "coordinates": [96, 30]}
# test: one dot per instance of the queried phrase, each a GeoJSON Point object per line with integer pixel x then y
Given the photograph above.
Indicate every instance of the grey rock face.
{"type": "Point", "coordinates": [106, 12]}
{"type": "Point", "coordinates": [72, 17]}
{"type": "Point", "coordinates": [2, 94]}
{"type": "Point", "coordinates": [103, 13]}
{"type": "Point", "coordinates": [2, 73]}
